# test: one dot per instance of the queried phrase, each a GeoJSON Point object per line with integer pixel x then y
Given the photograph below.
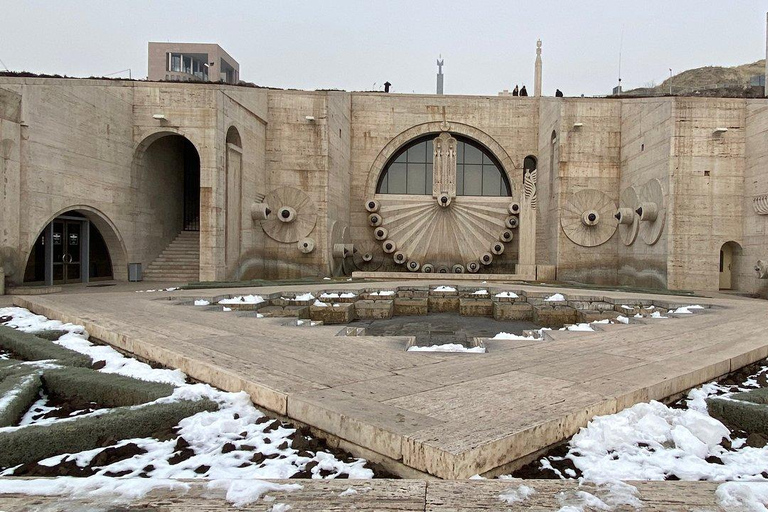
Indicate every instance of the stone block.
{"type": "Point", "coordinates": [338, 296]}
{"type": "Point", "coordinates": [339, 313]}
{"type": "Point", "coordinates": [593, 315]}
{"type": "Point", "coordinates": [374, 309]}
{"type": "Point", "coordinates": [746, 411]}
{"type": "Point", "coordinates": [384, 294]}
{"type": "Point", "coordinates": [411, 306]}
{"type": "Point", "coordinates": [413, 292]}
{"type": "Point", "coordinates": [476, 307]}
{"type": "Point", "coordinates": [301, 312]}
{"type": "Point", "coordinates": [554, 316]}
{"type": "Point", "coordinates": [512, 311]}
{"type": "Point", "coordinates": [546, 272]}
{"type": "Point", "coordinates": [443, 304]}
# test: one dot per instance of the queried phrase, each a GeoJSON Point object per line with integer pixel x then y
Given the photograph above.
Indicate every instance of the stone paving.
{"type": "Point", "coordinates": [438, 414]}
{"type": "Point", "coordinates": [400, 495]}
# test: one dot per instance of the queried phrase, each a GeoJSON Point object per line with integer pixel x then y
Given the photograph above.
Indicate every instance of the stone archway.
{"type": "Point", "coordinates": [729, 251]}
{"type": "Point", "coordinates": [91, 237]}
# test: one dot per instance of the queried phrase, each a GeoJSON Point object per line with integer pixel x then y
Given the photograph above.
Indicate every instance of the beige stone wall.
{"type": "Point", "coordinates": [755, 240]}
{"type": "Point", "coordinates": [548, 229]}
{"type": "Point", "coordinates": [706, 189]}
{"type": "Point", "coordinates": [339, 111]}
{"type": "Point", "coordinates": [589, 159]}
{"type": "Point", "coordinates": [646, 137]}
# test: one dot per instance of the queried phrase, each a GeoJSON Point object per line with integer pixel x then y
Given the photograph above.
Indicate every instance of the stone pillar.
{"type": "Point", "coordinates": [766, 55]}
{"type": "Point", "coordinates": [444, 166]}
{"type": "Point", "coordinates": [537, 77]}
{"type": "Point", "coordinates": [526, 263]}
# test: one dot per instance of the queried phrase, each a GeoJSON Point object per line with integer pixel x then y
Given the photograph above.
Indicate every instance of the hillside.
{"type": "Point", "coordinates": [708, 81]}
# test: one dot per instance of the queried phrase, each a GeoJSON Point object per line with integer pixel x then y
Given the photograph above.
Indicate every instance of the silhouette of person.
{"type": "Point", "coordinates": [523, 92]}
{"type": "Point", "coordinates": [558, 93]}
{"type": "Point", "coordinates": [515, 91]}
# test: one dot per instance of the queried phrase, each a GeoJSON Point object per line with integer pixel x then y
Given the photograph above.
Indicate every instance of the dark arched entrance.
{"type": "Point", "coordinates": [72, 249]}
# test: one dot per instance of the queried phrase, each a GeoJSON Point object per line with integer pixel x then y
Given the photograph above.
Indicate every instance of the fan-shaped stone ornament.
{"type": "Point", "coordinates": [629, 223]}
{"type": "Point", "coordinates": [652, 212]}
{"type": "Point", "coordinates": [588, 218]}
{"type": "Point", "coordinates": [368, 256]}
{"type": "Point", "coordinates": [342, 251]}
{"type": "Point", "coordinates": [293, 215]}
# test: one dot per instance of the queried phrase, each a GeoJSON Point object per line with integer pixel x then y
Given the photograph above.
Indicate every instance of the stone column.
{"type": "Point", "coordinates": [444, 166]}
{"type": "Point", "coordinates": [526, 263]}
{"type": "Point", "coordinates": [537, 77]}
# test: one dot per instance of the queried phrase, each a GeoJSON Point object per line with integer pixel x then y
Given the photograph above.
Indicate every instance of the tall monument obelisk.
{"type": "Point", "coordinates": [537, 77]}
{"type": "Point", "coordinates": [440, 75]}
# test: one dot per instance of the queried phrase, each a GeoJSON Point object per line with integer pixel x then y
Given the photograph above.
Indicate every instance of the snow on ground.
{"type": "Point", "coordinates": [507, 295]}
{"type": "Point", "coordinates": [202, 302]}
{"type": "Point", "coordinates": [383, 293]}
{"type": "Point", "coordinates": [243, 299]}
{"type": "Point", "coordinates": [173, 289]}
{"type": "Point", "coordinates": [558, 297]}
{"type": "Point", "coordinates": [447, 347]}
{"type": "Point", "coordinates": [480, 292]}
{"type": "Point", "coordinates": [516, 494]}
{"type": "Point", "coordinates": [224, 440]}
{"type": "Point", "coordinates": [684, 310]}
{"type": "Point", "coordinates": [303, 296]}
{"type": "Point", "coordinates": [320, 304]}
{"type": "Point", "coordinates": [444, 289]}
{"type": "Point", "coordinates": [652, 441]}
{"type": "Point", "coordinates": [333, 295]}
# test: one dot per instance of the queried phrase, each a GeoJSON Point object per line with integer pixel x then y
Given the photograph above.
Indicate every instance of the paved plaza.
{"type": "Point", "coordinates": [422, 414]}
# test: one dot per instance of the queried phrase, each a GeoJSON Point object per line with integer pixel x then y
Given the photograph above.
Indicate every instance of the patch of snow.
{"type": "Point", "coordinates": [516, 495]}
{"type": "Point", "coordinates": [684, 310]}
{"type": "Point", "coordinates": [243, 492]}
{"type": "Point", "coordinates": [622, 319]}
{"type": "Point", "coordinates": [444, 289]}
{"type": "Point", "coordinates": [326, 279]}
{"type": "Point", "coordinates": [558, 297]}
{"type": "Point", "coordinates": [507, 295]}
{"type": "Point", "coordinates": [480, 292]}
{"type": "Point", "coordinates": [304, 296]}
{"type": "Point", "coordinates": [510, 336]}
{"type": "Point", "coordinates": [319, 304]}
{"type": "Point", "coordinates": [657, 314]}
{"type": "Point", "coordinates": [578, 501]}
{"type": "Point", "coordinates": [116, 490]}
{"type": "Point", "coordinates": [579, 327]}
{"type": "Point", "coordinates": [383, 293]}
{"type": "Point", "coordinates": [630, 308]}
{"type": "Point", "coordinates": [243, 299]}
{"type": "Point", "coordinates": [201, 302]}
{"type": "Point", "coordinates": [7, 398]}
{"type": "Point", "coordinates": [448, 347]}
{"type": "Point", "coordinates": [747, 496]}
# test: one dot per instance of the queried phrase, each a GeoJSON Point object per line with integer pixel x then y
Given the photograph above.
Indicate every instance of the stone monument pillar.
{"type": "Point", "coordinates": [537, 77]}
{"type": "Point", "coordinates": [440, 62]}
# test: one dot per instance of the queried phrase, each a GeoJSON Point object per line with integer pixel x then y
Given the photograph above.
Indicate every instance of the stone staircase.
{"type": "Point", "coordinates": [180, 261]}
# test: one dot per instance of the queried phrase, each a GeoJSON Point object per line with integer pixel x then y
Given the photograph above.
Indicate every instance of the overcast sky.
{"type": "Point", "coordinates": [487, 46]}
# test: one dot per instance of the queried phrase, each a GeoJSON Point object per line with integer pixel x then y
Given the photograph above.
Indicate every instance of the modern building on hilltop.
{"type": "Point", "coordinates": [191, 62]}
{"type": "Point", "coordinates": [205, 181]}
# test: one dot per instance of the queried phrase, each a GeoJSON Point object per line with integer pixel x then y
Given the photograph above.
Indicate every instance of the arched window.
{"type": "Point", "coordinates": [478, 172]}
{"type": "Point", "coordinates": [529, 163]}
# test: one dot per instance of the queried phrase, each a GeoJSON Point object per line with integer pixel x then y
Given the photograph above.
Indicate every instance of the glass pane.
{"type": "Point", "coordinates": [430, 151]}
{"type": "Point", "coordinates": [491, 181]}
{"type": "Point", "coordinates": [417, 178]}
{"type": "Point", "coordinates": [429, 180]}
{"type": "Point", "coordinates": [401, 159]}
{"type": "Point", "coordinates": [397, 179]}
{"type": "Point", "coordinates": [459, 179]}
{"type": "Point", "coordinates": [383, 187]}
{"type": "Point", "coordinates": [418, 153]}
{"type": "Point", "coordinates": [472, 155]}
{"type": "Point", "coordinates": [460, 152]}
{"type": "Point", "coordinates": [473, 180]}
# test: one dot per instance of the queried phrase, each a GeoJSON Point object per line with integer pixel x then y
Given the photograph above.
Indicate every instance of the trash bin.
{"type": "Point", "coordinates": [134, 272]}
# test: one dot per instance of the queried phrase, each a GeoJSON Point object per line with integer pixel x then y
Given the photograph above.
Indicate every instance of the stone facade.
{"type": "Point", "coordinates": [696, 167]}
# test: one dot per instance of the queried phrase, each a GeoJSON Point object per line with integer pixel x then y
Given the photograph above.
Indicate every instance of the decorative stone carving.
{"type": "Point", "coordinates": [588, 218]}
{"type": "Point", "coordinates": [762, 269]}
{"type": "Point", "coordinates": [514, 208]}
{"type": "Point", "coordinates": [497, 248]}
{"type": "Point", "coordinates": [651, 211]}
{"type": "Point", "coordinates": [372, 205]}
{"type": "Point", "coordinates": [506, 236]}
{"type": "Point", "coordinates": [368, 257]}
{"type": "Point", "coordinates": [511, 222]}
{"type": "Point", "coordinates": [295, 215]}
{"type": "Point", "coordinates": [629, 221]}
{"type": "Point", "coordinates": [530, 193]}
{"type": "Point", "coordinates": [444, 167]}
{"type": "Point", "coordinates": [413, 266]}
{"type": "Point", "coordinates": [260, 211]}
{"type": "Point", "coordinates": [760, 204]}
{"type": "Point", "coordinates": [427, 268]}
{"type": "Point", "coordinates": [473, 267]}
{"type": "Point", "coordinates": [486, 258]}
{"type": "Point", "coordinates": [306, 245]}
{"type": "Point", "coordinates": [399, 257]}
{"type": "Point", "coordinates": [389, 246]}
{"type": "Point", "coordinates": [380, 233]}
{"type": "Point", "coordinates": [458, 268]}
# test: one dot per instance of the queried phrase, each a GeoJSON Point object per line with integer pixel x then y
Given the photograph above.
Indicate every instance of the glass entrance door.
{"type": "Point", "coordinates": [66, 240]}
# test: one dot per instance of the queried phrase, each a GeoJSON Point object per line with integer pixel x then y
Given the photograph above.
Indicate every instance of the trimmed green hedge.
{"type": "Point", "coordinates": [36, 442]}
{"type": "Point", "coordinates": [106, 389]}
{"type": "Point", "coordinates": [17, 393]}
{"type": "Point", "coordinates": [32, 348]}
